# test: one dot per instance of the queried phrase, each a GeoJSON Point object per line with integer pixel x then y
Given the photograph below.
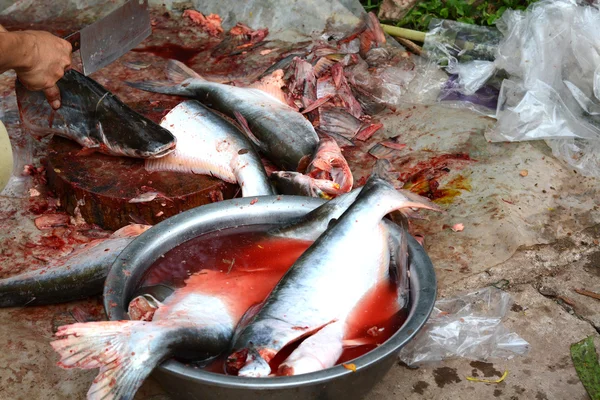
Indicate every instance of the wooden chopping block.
{"type": "Point", "coordinates": [102, 187]}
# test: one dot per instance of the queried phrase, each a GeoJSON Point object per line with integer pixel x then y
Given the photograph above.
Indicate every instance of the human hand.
{"type": "Point", "coordinates": [46, 57]}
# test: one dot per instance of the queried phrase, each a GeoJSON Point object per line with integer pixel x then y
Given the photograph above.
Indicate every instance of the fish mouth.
{"type": "Point", "coordinates": [163, 151]}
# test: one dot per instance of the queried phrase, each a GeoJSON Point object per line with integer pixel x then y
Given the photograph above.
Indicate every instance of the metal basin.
{"type": "Point", "coordinates": [330, 384]}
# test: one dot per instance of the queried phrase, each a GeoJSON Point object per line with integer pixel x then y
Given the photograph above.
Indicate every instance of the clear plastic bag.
{"type": "Point", "coordinates": [468, 326]}
{"type": "Point", "coordinates": [554, 88]}
{"type": "Point", "coordinates": [466, 53]}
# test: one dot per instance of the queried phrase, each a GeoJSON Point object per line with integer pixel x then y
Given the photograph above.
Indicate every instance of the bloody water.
{"type": "Point", "coordinates": [249, 253]}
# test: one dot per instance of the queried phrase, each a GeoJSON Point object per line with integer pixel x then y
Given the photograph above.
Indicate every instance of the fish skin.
{"type": "Point", "coordinates": [94, 118]}
{"type": "Point", "coordinates": [208, 144]}
{"type": "Point", "coordinates": [78, 275]}
{"type": "Point", "coordinates": [319, 292]}
{"type": "Point", "coordinates": [285, 135]}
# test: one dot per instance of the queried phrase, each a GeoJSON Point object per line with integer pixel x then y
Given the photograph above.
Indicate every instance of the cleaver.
{"type": "Point", "coordinates": [107, 39]}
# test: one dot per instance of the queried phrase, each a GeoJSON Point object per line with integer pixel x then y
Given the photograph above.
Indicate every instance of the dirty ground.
{"type": "Point", "coordinates": [535, 234]}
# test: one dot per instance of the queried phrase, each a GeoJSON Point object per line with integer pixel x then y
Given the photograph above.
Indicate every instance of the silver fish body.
{"type": "Point", "coordinates": [208, 144]}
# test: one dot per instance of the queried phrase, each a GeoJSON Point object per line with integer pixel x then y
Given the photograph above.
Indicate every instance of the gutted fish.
{"type": "Point", "coordinates": [94, 118]}
{"type": "Point", "coordinates": [281, 133]}
{"type": "Point", "coordinates": [78, 275]}
{"type": "Point", "coordinates": [207, 144]}
{"type": "Point", "coordinates": [316, 296]}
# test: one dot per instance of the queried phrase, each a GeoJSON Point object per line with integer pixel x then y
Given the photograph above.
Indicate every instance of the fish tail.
{"type": "Point", "coordinates": [179, 72]}
{"type": "Point", "coordinates": [395, 199]}
{"type": "Point", "coordinates": [163, 87]}
{"type": "Point", "coordinates": [125, 351]}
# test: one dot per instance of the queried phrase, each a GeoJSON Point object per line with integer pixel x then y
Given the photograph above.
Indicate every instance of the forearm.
{"type": "Point", "coordinates": [15, 50]}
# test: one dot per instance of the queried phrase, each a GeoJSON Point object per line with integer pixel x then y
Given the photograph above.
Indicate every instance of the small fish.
{"type": "Point", "coordinates": [283, 134]}
{"type": "Point", "coordinates": [329, 163]}
{"type": "Point", "coordinates": [209, 145]}
{"type": "Point", "coordinates": [78, 275]}
{"type": "Point", "coordinates": [94, 118]}
{"type": "Point", "coordinates": [295, 183]}
{"type": "Point", "coordinates": [322, 288]}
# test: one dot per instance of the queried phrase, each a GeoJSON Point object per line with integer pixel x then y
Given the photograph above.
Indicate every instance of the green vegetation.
{"type": "Point", "coordinates": [480, 12]}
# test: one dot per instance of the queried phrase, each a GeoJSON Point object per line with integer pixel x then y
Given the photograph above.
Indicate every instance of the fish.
{"type": "Point", "coordinates": [281, 133]}
{"type": "Point", "coordinates": [295, 183]}
{"type": "Point", "coordinates": [93, 117]}
{"type": "Point", "coordinates": [210, 145]}
{"type": "Point", "coordinates": [78, 275]}
{"type": "Point", "coordinates": [201, 315]}
{"type": "Point", "coordinates": [329, 163]}
{"type": "Point", "coordinates": [317, 295]}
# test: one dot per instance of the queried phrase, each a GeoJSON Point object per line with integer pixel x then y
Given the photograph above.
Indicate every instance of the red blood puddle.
{"type": "Point", "coordinates": [260, 261]}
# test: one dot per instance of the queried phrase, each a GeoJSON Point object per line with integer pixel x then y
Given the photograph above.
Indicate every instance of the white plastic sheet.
{"type": "Point", "coordinates": [468, 326]}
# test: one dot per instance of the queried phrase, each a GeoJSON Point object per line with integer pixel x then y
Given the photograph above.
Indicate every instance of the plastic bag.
{"type": "Point", "coordinates": [468, 326]}
{"type": "Point", "coordinates": [554, 88]}
{"type": "Point", "coordinates": [466, 53]}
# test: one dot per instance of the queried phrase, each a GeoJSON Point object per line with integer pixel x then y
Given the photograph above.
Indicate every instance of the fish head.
{"type": "Point", "coordinates": [94, 118]}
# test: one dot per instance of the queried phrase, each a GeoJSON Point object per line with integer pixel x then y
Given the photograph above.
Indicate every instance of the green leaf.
{"type": "Point", "coordinates": [466, 20]}
{"type": "Point", "coordinates": [444, 13]}
{"type": "Point", "coordinates": [586, 364]}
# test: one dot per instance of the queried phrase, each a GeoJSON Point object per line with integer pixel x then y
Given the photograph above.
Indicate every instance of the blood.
{"type": "Point", "coordinates": [247, 258]}
{"type": "Point", "coordinates": [172, 51]}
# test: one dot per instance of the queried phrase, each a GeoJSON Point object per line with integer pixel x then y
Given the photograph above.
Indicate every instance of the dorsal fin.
{"type": "Point", "coordinates": [272, 85]}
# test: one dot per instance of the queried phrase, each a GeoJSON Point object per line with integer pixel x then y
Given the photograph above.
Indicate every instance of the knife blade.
{"type": "Point", "coordinates": [107, 39]}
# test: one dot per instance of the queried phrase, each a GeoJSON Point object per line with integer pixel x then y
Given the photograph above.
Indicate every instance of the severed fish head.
{"type": "Point", "coordinates": [94, 118]}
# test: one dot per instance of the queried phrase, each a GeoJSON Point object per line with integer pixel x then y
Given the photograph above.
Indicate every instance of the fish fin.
{"type": "Point", "coordinates": [85, 151]}
{"type": "Point", "coordinates": [130, 230]}
{"type": "Point", "coordinates": [418, 201]}
{"type": "Point", "coordinates": [179, 72]}
{"type": "Point", "coordinates": [124, 363]}
{"type": "Point", "coordinates": [164, 87]}
{"type": "Point", "coordinates": [272, 85]}
{"type": "Point", "coordinates": [395, 199]}
{"type": "Point", "coordinates": [246, 129]}
{"type": "Point", "coordinates": [319, 351]}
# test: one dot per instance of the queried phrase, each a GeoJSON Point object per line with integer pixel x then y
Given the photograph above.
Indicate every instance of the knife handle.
{"type": "Point", "coordinates": [75, 40]}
